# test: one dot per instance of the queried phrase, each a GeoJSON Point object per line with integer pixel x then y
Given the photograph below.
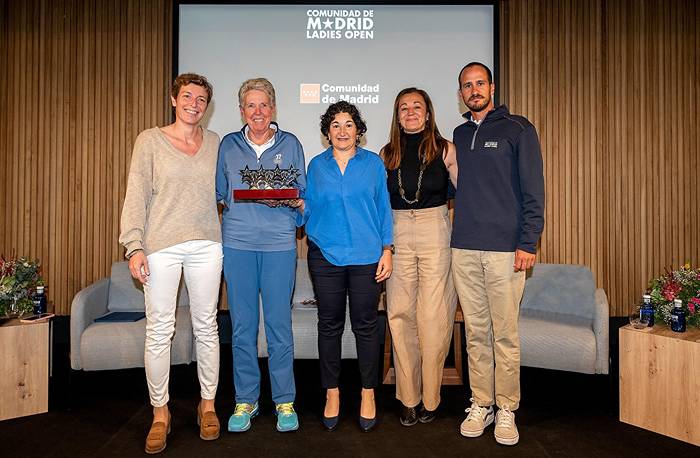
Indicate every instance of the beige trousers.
{"type": "Point", "coordinates": [421, 303]}
{"type": "Point", "coordinates": [490, 293]}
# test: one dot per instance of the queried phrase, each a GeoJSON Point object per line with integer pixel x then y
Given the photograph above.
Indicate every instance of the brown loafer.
{"type": "Point", "coordinates": [156, 439]}
{"type": "Point", "coordinates": [208, 424]}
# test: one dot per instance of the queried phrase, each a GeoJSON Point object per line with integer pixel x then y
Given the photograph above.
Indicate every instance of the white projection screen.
{"type": "Point", "coordinates": [317, 54]}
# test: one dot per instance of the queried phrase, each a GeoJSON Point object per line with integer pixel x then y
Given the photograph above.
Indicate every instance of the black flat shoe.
{"type": "Point", "coordinates": [330, 423]}
{"type": "Point", "coordinates": [367, 424]}
{"type": "Point", "coordinates": [425, 415]}
{"type": "Point", "coordinates": [409, 416]}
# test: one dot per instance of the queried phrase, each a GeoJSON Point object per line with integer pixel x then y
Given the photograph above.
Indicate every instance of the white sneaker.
{"type": "Point", "coordinates": [506, 433]}
{"type": "Point", "coordinates": [477, 420]}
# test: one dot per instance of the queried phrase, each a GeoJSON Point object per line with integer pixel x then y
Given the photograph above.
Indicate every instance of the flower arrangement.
{"type": "Point", "coordinates": [18, 279]}
{"type": "Point", "coordinates": [683, 284]}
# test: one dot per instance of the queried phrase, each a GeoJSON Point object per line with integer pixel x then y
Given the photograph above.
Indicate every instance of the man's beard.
{"type": "Point", "coordinates": [478, 104]}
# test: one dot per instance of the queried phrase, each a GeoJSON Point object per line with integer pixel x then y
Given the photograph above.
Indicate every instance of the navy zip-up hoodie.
{"type": "Point", "coordinates": [499, 204]}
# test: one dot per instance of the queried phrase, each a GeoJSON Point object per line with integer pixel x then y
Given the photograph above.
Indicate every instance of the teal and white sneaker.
{"type": "Point", "coordinates": [240, 420]}
{"type": "Point", "coordinates": [287, 419]}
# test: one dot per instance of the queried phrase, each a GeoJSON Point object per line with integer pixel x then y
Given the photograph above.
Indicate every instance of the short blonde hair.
{"type": "Point", "coordinates": [260, 84]}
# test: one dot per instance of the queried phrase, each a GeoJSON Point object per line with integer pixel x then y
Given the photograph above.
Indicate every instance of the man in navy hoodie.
{"type": "Point", "coordinates": [499, 217]}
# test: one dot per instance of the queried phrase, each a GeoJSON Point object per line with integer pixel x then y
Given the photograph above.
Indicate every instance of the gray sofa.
{"type": "Point", "coordinates": [101, 346]}
{"type": "Point", "coordinates": [564, 320]}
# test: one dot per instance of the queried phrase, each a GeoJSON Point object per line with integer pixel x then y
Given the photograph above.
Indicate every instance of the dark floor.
{"type": "Point", "coordinates": [108, 414]}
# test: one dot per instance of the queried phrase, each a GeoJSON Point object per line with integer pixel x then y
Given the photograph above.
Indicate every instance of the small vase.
{"type": "Point", "coordinates": [13, 310]}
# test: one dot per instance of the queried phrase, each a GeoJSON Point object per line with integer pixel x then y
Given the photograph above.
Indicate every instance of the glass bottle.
{"type": "Point", "coordinates": [648, 309]}
{"type": "Point", "coordinates": [39, 299]}
{"type": "Point", "coordinates": [678, 316]}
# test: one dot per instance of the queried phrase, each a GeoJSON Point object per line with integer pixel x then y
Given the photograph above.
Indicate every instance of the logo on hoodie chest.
{"type": "Point", "coordinates": [491, 144]}
{"type": "Point", "coordinates": [277, 159]}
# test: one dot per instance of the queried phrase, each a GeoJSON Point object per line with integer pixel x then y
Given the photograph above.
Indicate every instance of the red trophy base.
{"type": "Point", "coordinates": [265, 194]}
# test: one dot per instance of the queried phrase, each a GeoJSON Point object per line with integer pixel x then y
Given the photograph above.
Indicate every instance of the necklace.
{"type": "Point", "coordinates": [402, 193]}
{"type": "Point", "coordinates": [343, 162]}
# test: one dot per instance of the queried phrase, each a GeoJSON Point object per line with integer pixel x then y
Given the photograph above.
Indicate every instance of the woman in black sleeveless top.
{"type": "Point", "coordinates": [421, 298]}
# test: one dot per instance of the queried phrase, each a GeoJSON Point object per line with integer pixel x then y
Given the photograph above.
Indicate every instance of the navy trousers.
{"type": "Point", "coordinates": [333, 285]}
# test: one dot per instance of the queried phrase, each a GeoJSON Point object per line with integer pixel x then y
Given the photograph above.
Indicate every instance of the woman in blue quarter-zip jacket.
{"type": "Point", "coordinates": [260, 256]}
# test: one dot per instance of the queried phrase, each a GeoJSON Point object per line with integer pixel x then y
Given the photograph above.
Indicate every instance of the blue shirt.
{"type": "Point", "coordinates": [348, 215]}
{"type": "Point", "coordinates": [253, 226]}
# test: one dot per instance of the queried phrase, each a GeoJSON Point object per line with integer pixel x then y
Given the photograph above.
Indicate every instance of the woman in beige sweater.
{"type": "Point", "coordinates": [169, 224]}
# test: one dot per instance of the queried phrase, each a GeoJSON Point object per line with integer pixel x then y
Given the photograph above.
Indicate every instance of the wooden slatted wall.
{"type": "Point", "coordinates": [653, 90]}
{"type": "Point", "coordinates": [79, 80]}
{"type": "Point", "coordinates": [612, 87]}
{"type": "Point", "coordinates": [610, 84]}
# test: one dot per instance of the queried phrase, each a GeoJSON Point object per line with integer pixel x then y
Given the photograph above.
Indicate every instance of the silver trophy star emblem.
{"type": "Point", "coordinates": [276, 178]}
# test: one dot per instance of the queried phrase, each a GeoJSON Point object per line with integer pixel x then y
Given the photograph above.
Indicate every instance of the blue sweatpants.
{"type": "Point", "coordinates": [270, 274]}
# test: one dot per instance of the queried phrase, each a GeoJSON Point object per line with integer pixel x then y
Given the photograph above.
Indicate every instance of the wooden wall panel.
{"type": "Point", "coordinates": [612, 88]}
{"type": "Point", "coordinates": [550, 55]}
{"type": "Point", "coordinates": [652, 142]}
{"type": "Point", "coordinates": [81, 79]}
{"type": "Point", "coordinates": [610, 84]}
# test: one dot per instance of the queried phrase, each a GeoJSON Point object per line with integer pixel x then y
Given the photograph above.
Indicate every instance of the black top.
{"type": "Point", "coordinates": [433, 189]}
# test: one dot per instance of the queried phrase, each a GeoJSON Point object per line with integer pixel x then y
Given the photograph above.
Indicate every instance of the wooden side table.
{"type": "Point", "coordinates": [660, 382]}
{"type": "Point", "coordinates": [24, 365]}
{"type": "Point", "coordinates": [450, 375]}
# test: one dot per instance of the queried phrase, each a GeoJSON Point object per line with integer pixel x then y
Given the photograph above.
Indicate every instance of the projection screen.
{"type": "Point", "coordinates": [317, 54]}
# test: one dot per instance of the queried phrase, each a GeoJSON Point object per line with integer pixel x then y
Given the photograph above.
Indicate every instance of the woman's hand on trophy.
{"type": "Point", "coordinates": [272, 203]}
{"type": "Point", "coordinates": [295, 203]}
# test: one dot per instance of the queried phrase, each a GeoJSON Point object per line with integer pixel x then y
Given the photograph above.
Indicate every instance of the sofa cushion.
{"type": "Point", "coordinates": [126, 293]}
{"type": "Point", "coordinates": [557, 345]}
{"type": "Point", "coordinates": [121, 345]}
{"type": "Point", "coordinates": [562, 292]}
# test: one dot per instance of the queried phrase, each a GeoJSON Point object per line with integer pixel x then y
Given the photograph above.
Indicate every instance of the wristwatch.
{"type": "Point", "coordinates": [390, 248]}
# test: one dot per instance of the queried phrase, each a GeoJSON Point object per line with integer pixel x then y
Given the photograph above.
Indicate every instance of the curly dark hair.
{"type": "Point", "coordinates": [343, 107]}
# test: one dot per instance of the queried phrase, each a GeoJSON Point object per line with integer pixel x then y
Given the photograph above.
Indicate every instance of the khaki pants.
{"type": "Point", "coordinates": [490, 293]}
{"type": "Point", "coordinates": [421, 303]}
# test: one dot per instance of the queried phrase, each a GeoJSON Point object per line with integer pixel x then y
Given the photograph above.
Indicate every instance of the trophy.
{"type": "Point", "coordinates": [266, 184]}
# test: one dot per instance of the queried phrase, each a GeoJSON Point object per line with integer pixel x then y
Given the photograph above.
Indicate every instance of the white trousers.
{"type": "Point", "coordinates": [201, 261]}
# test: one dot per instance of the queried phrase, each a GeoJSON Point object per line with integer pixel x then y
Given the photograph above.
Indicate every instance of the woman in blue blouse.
{"type": "Point", "coordinates": [349, 227]}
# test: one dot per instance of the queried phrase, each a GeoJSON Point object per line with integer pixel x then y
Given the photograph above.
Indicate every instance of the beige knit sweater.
{"type": "Point", "coordinates": [170, 196]}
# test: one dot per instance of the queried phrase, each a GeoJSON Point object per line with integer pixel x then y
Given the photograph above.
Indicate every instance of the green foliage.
{"type": "Point", "coordinates": [18, 280]}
